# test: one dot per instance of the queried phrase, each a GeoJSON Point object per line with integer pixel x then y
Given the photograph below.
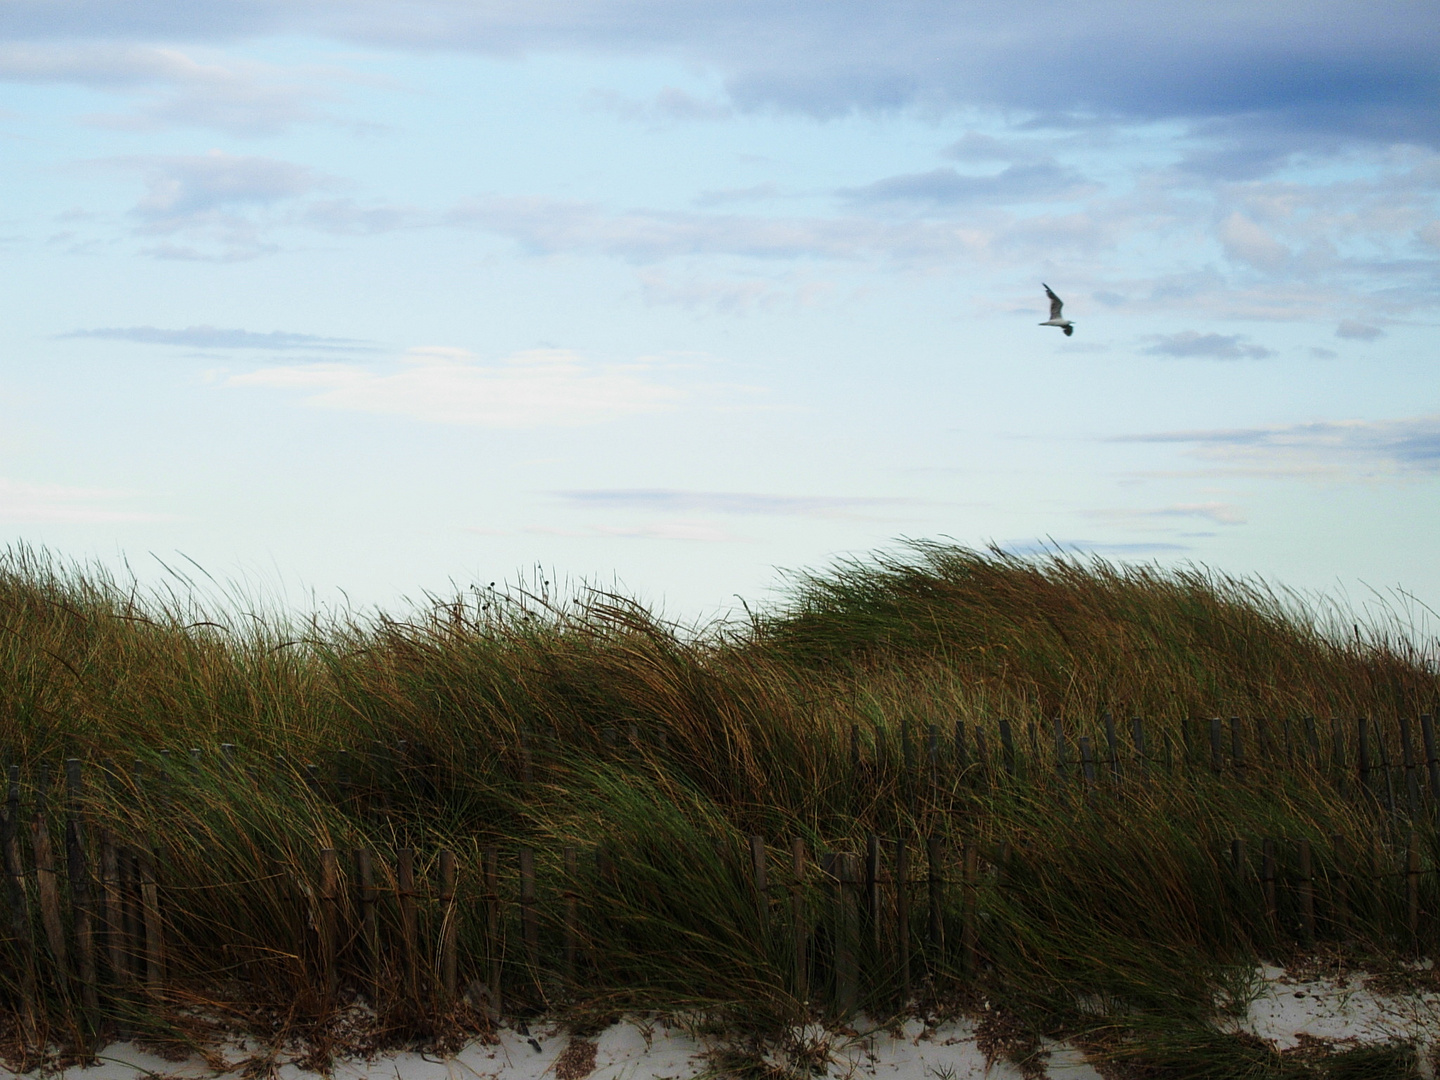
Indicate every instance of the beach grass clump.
{"type": "Point", "coordinates": [1018, 760]}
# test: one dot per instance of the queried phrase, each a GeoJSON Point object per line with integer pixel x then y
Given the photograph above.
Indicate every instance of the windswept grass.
{"type": "Point", "coordinates": [501, 721]}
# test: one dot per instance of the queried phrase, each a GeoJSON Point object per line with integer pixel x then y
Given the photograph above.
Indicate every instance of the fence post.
{"type": "Point", "coordinates": [845, 935]}
{"type": "Point", "coordinates": [19, 914]}
{"type": "Point", "coordinates": [1267, 882]}
{"type": "Point", "coordinates": [1216, 761]}
{"type": "Point", "coordinates": [1112, 747]}
{"type": "Point", "coordinates": [114, 919]}
{"type": "Point", "coordinates": [572, 916]}
{"type": "Point", "coordinates": [902, 912]}
{"type": "Point", "coordinates": [761, 882]}
{"type": "Point", "coordinates": [1407, 759]}
{"type": "Point", "coordinates": [1385, 764]}
{"type": "Point", "coordinates": [492, 924]}
{"type": "Point", "coordinates": [81, 904]}
{"type": "Point", "coordinates": [409, 928]}
{"type": "Point", "coordinates": [529, 920]}
{"type": "Point", "coordinates": [326, 915]}
{"type": "Point", "coordinates": [970, 932]}
{"type": "Point", "coordinates": [1087, 761]}
{"type": "Point", "coordinates": [1432, 761]}
{"type": "Point", "coordinates": [1007, 746]}
{"type": "Point", "coordinates": [797, 916]}
{"type": "Point", "coordinates": [1412, 887]}
{"type": "Point", "coordinates": [1340, 902]}
{"type": "Point", "coordinates": [933, 859]}
{"type": "Point", "coordinates": [449, 929]}
{"type": "Point", "coordinates": [872, 889]}
{"type": "Point", "coordinates": [1307, 895]}
{"type": "Point", "coordinates": [1363, 727]}
{"type": "Point", "coordinates": [154, 930]}
{"type": "Point", "coordinates": [369, 924]}
{"type": "Point", "coordinates": [1137, 736]}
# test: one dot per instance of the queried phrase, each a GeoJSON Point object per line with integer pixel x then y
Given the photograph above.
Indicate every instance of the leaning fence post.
{"type": "Point", "coordinates": [81, 908]}
{"type": "Point", "coordinates": [19, 915]}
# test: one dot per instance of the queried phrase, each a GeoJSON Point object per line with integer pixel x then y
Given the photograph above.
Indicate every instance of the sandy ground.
{"type": "Point", "coordinates": [1288, 1009]}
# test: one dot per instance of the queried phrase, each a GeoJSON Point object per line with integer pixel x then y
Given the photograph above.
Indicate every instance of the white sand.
{"type": "Point", "coordinates": [1343, 1010]}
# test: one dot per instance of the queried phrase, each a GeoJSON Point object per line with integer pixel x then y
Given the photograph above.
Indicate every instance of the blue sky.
{"type": "Point", "coordinates": [382, 297]}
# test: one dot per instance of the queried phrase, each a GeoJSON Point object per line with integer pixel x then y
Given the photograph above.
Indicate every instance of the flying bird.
{"type": "Point", "coordinates": [1055, 320]}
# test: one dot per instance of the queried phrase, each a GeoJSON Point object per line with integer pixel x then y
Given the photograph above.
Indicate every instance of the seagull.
{"type": "Point", "coordinates": [1055, 320]}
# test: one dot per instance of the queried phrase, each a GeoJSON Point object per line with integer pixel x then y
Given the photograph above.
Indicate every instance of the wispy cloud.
{"type": "Point", "coordinates": [946, 187]}
{"type": "Point", "coordinates": [1118, 549]}
{"type": "Point", "coordinates": [537, 388]}
{"type": "Point", "coordinates": [1358, 331]}
{"type": "Point", "coordinates": [1332, 449]}
{"type": "Point", "coordinates": [216, 337]}
{"type": "Point", "coordinates": [1217, 513]}
{"type": "Point", "coordinates": [708, 532]}
{"type": "Point", "coordinates": [1191, 344]}
{"type": "Point", "coordinates": [670, 500]}
{"type": "Point", "coordinates": [26, 503]}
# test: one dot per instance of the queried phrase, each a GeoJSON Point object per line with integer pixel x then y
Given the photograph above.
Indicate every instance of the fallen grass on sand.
{"type": "Point", "coordinates": [590, 723]}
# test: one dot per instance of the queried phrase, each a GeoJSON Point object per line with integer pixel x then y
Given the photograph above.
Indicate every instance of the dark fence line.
{"type": "Point", "coordinates": [101, 927]}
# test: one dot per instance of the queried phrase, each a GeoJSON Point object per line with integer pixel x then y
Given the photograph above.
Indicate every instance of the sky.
{"type": "Point", "coordinates": [346, 302]}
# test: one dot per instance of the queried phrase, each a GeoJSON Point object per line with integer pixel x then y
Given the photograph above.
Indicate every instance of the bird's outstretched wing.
{"type": "Point", "coordinates": [1068, 330]}
{"type": "Point", "coordinates": [1055, 302]}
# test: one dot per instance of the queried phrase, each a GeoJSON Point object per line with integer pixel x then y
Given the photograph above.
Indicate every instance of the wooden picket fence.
{"type": "Point", "coordinates": [93, 918]}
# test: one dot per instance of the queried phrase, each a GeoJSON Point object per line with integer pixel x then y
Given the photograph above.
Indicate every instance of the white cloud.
{"type": "Point", "coordinates": [173, 87]}
{"type": "Point", "coordinates": [27, 503]}
{"type": "Point", "coordinates": [536, 388]}
{"type": "Point", "coordinates": [1247, 242]}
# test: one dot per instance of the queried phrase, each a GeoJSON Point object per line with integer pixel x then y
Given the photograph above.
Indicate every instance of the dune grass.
{"type": "Point", "coordinates": [500, 721]}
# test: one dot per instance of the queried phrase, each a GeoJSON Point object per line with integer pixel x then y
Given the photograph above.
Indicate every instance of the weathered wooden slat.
{"type": "Point", "coordinates": [449, 928]}
{"type": "Point", "coordinates": [82, 916]}
{"type": "Point", "coordinates": [19, 908]}
{"type": "Point", "coordinates": [799, 929]}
